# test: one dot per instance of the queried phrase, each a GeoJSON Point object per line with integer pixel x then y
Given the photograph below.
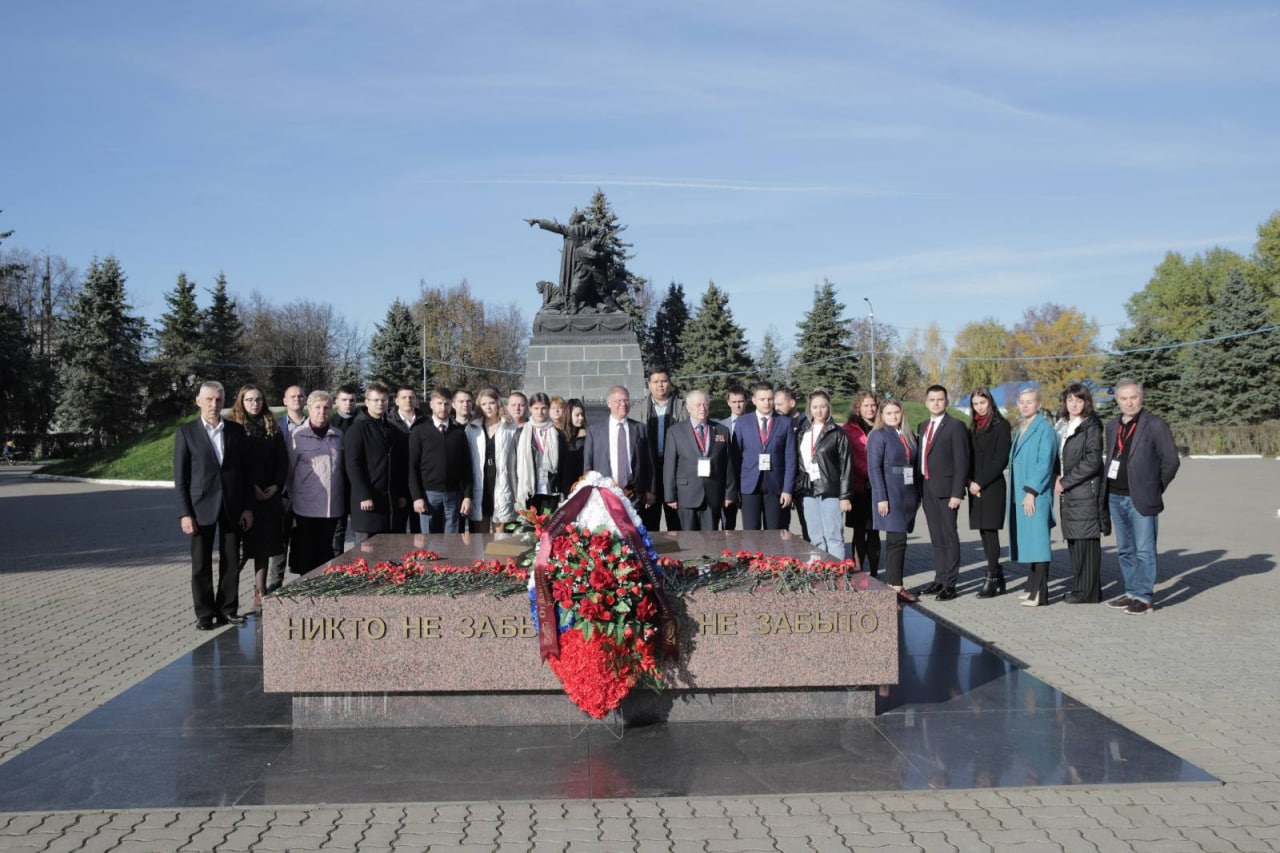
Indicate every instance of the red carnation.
{"type": "Point", "coordinates": [602, 579]}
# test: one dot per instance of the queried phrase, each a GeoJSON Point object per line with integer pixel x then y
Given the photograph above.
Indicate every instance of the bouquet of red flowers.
{"type": "Point", "coordinates": [608, 611]}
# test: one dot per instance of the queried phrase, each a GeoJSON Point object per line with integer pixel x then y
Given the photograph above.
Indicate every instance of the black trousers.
{"type": "Point", "coordinates": [759, 509]}
{"type": "Point", "coordinates": [312, 543]}
{"type": "Point", "coordinates": [700, 518]}
{"type": "Point", "coordinates": [895, 554]}
{"type": "Point", "coordinates": [1086, 569]}
{"type": "Point", "coordinates": [224, 599]}
{"type": "Point", "coordinates": [729, 518]}
{"type": "Point", "coordinates": [1038, 580]}
{"type": "Point", "coordinates": [945, 538]}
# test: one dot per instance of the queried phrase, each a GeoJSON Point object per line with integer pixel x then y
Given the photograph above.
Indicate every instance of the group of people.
{"type": "Point", "coordinates": [1103, 478]}
{"type": "Point", "coordinates": [289, 490]}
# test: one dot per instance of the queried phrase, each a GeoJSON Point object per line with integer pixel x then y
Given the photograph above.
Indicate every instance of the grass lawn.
{"type": "Point", "coordinates": [146, 457]}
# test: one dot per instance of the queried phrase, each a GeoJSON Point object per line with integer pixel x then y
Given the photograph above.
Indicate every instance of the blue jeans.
{"type": "Point", "coordinates": [1135, 546]}
{"type": "Point", "coordinates": [826, 524]}
{"type": "Point", "coordinates": [442, 512]}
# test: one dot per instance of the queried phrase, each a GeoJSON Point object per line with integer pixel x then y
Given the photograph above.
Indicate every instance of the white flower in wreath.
{"type": "Point", "coordinates": [594, 515]}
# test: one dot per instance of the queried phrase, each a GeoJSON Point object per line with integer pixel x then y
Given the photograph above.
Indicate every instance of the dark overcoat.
{"type": "Point", "coordinates": [377, 463]}
{"type": "Point", "coordinates": [990, 457]}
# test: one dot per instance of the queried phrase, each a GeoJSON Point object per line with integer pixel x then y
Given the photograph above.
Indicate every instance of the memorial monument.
{"type": "Point", "coordinates": [583, 341]}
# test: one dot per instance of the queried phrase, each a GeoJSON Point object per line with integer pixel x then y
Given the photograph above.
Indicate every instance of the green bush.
{"type": "Point", "coordinates": [1263, 438]}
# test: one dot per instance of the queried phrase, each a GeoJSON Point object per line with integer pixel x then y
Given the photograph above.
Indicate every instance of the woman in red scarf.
{"type": "Point", "coordinates": [989, 438]}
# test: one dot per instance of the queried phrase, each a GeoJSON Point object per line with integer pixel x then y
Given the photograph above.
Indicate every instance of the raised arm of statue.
{"type": "Point", "coordinates": [549, 225]}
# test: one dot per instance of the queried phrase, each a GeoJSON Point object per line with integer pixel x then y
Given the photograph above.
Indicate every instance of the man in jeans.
{"type": "Point", "coordinates": [1141, 461]}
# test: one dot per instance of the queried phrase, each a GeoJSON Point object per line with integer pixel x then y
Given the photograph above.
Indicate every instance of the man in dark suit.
{"type": "Point", "coordinates": [699, 477]}
{"type": "Point", "coordinates": [214, 496]}
{"type": "Point", "coordinates": [736, 399]}
{"type": "Point", "coordinates": [942, 467]}
{"type": "Point", "coordinates": [659, 410]}
{"type": "Point", "coordinates": [1141, 462]}
{"type": "Point", "coordinates": [765, 445]}
{"type": "Point", "coordinates": [440, 467]}
{"type": "Point", "coordinates": [376, 456]}
{"type": "Point", "coordinates": [618, 447]}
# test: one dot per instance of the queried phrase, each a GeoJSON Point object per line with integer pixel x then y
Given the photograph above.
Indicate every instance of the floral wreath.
{"type": "Point", "coordinates": [596, 596]}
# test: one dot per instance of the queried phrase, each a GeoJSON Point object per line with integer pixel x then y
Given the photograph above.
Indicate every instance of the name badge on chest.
{"type": "Point", "coordinates": [908, 476]}
{"type": "Point", "coordinates": [766, 462]}
{"type": "Point", "coordinates": [1113, 470]}
{"type": "Point", "coordinates": [704, 467]}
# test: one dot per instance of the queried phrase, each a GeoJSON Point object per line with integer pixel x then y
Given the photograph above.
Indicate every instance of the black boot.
{"type": "Point", "coordinates": [994, 585]}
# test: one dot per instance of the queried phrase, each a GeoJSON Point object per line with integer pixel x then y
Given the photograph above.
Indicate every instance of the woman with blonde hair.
{"type": "Point", "coordinates": [495, 448]}
{"type": "Point", "coordinates": [895, 495]}
{"type": "Point", "coordinates": [1033, 461]}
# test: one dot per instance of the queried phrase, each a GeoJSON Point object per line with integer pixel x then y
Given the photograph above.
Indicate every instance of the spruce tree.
{"type": "Point", "coordinates": [669, 323]}
{"type": "Point", "coordinates": [222, 336]}
{"type": "Point", "coordinates": [101, 366]}
{"type": "Point", "coordinates": [1235, 379]}
{"type": "Point", "coordinates": [769, 364]}
{"type": "Point", "coordinates": [395, 351]}
{"type": "Point", "coordinates": [824, 356]}
{"type": "Point", "coordinates": [1140, 353]}
{"type": "Point", "coordinates": [15, 368]}
{"type": "Point", "coordinates": [715, 347]}
{"type": "Point", "coordinates": [180, 360]}
{"type": "Point", "coordinates": [636, 297]}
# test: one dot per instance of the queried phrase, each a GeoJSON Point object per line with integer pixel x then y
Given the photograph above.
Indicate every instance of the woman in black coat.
{"type": "Point", "coordinates": [1082, 493]}
{"type": "Point", "coordinates": [989, 438]}
{"type": "Point", "coordinates": [268, 465]}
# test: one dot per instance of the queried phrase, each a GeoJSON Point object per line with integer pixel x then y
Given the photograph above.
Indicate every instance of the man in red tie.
{"type": "Point", "coordinates": [943, 468]}
{"type": "Point", "coordinates": [699, 477]}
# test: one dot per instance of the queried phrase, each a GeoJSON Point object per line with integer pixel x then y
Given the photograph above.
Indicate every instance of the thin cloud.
{"type": "Point", "coordinates": [685, 184]}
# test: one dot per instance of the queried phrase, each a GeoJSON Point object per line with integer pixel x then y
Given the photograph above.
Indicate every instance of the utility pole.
{"type": "Point", "coordinates": [871, 320]}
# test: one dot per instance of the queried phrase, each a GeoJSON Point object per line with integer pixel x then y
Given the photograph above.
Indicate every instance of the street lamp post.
{"type": "Point", "coordinates": [871, 320]}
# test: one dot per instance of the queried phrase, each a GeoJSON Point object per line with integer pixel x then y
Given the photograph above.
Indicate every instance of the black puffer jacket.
{"type": "Point", "coordinates": [834, 463]}
{"type": "Point", "coordinates": [1084, 497]}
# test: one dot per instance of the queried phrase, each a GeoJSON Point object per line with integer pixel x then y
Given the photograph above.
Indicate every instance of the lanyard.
{"type": "Point", "coordinates": [702, 443]}
{"type": "Point", "coordinates": [813, 439]}
{"type": "Point", "coordinates": [542, 445]}
{"type": "Point", "coordinates": [905, 446]}
{"type": "Point", "coordinates": [1121, 437]}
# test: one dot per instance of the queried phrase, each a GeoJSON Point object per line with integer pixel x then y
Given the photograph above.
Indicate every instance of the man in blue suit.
{"type": "Point", "coordinates": [766, 445]}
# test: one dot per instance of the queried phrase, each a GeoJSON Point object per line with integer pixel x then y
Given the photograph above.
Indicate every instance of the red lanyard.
{"type": "Point", "coordinates": [542, 447]}
{"type": "Point", "coordinates": [813, 440]}
{"type": "Point", "coordinates": [905, 446]}
{"type": "Point", "coordinates": [1121, 438]}
{"type": "Point", "coordinates": [702, 443]}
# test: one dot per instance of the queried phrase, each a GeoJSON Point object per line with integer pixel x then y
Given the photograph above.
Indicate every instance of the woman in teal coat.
{"type": "Point", "coordinates": [1033, 459]}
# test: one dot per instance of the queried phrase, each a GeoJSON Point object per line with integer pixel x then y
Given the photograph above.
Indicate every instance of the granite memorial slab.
{"type": "Point", "coordinates": [368, 659]}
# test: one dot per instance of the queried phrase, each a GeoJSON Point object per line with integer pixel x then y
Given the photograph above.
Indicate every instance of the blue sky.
{"type": "Point", "coordinates": [949, 161]}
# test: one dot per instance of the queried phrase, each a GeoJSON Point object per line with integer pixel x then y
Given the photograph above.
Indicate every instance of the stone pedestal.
{"type": "Point", "coordinates": [583, 356]}
{"type": "Point", "coordinates": [406, 660]}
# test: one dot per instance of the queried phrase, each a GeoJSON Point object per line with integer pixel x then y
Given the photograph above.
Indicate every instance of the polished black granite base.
{"type": "Point", "coordinates": [201, 732]}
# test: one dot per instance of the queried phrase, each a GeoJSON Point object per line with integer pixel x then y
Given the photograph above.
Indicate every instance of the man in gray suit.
{"type": "Point", "coordinates": [699, 476]}
{"type": "Point", "coordinates": [618, 447]}
{"type": "Point", "coordinates": [214, 496]}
